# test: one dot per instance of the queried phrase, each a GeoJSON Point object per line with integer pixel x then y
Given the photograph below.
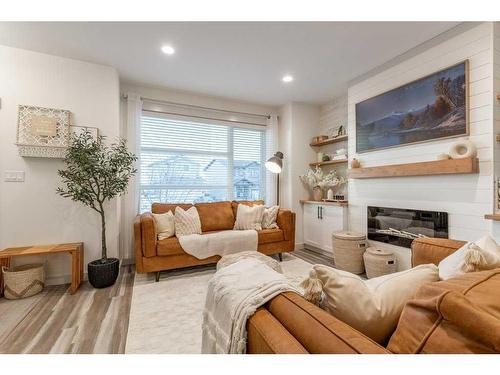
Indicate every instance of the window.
{"type": "Point", "coordinates": [190, 162]}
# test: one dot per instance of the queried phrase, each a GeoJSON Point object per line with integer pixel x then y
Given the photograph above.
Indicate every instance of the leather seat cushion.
{"type": "Point", "coordinates": [161, 208]}
{"type": "Point", "coordinates": [171, 246]}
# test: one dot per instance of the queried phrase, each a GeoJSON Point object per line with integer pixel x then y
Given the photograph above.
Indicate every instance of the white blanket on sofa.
{"type": "Point", "coordinates": [221, 243]}
{"type": "Point", "coordinates": [234, 294]}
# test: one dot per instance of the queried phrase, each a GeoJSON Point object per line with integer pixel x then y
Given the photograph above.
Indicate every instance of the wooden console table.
{"type": "Point", "coordinates": [75, 249]}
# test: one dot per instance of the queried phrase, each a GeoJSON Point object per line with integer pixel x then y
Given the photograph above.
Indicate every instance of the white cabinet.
{"type": "Point", "coordinates": [320, 221]}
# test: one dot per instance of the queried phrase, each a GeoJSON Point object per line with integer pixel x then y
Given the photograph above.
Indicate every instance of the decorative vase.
{"type": "Point", "coordinates": [329, 194]}
{"type": "Point", "coordinates": [317, 193]}
{"type": "Point", "coordinates": [462, 149]}
{"type": "Point", "coordinates": [102, 275]}
{"type": "Point", "coordinates": [355, 163]}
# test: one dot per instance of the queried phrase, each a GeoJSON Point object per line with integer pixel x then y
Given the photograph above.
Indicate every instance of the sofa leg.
{"type": "Point", "coordinates": [280, 256]}
{"type": "Point", "coordinates": [157, 278]}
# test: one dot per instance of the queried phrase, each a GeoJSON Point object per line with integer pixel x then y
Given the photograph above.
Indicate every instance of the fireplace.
{"type": "Point", "coordinates": [399, 226]}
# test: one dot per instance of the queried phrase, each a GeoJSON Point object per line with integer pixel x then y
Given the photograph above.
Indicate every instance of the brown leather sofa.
{"type": "Point", "coordinates": [460, 315]}
{"type": "Point", "coordinates": [153, 255]}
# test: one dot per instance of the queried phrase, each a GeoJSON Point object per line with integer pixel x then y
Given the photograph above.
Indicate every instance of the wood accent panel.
{"type": "Point", "coordinates": [329, 141]}
{"type": "Point", "coordinates": [331, 162]}
{"type": "Point", "coordinates": [495, 217]}
{"type": "Point", "coordinates": [74, 249]}
{"type": "Point", "coordinates": [325, 203]}
{"type": "Point", "coordinates": [427, 168]}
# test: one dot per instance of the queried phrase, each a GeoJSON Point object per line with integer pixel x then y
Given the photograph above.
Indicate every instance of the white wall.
{"type": "Point", "coordinates": [333, 114]}
{"type": "Point", "coordinates": [31, 212]}
{"type": "Point", "coordinates": [466, 198]}
{"type": "Point", "coordinates": [298, 124]}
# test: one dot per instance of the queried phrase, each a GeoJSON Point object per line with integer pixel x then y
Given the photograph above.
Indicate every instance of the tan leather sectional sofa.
{"type": "Point", "coordinates": [153, 255]}
{"type": "Point", "coordinates": [459, 315]}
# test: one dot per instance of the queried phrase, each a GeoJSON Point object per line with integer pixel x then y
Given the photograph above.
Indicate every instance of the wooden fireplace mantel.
{"type": "Point", "coordinates": [426, 168]}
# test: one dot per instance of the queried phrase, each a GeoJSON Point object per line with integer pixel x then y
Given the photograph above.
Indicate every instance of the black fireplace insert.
{"type": "Point", "coordinates": [400, 226]}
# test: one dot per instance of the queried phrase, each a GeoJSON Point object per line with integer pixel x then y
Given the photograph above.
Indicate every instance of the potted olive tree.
{"type": "Point", "coordinates": [96, 173]}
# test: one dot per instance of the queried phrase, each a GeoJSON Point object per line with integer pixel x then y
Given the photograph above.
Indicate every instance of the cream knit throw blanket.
{"type": "Point", "coordinates": [221, 243]}
{"type": "Point", "coordinates": [234, 294]}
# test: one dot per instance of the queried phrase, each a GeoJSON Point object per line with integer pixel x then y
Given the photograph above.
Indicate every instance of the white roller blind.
{"type": "Point", "coordinates": [186, 161]}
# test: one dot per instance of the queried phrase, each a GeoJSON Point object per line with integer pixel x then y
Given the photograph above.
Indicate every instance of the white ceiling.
{"type": "Point", "coordinates": [239, 60]}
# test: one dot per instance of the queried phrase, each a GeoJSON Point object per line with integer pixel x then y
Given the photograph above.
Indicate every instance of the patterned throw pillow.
{"type": "Point", "coordinates": [249, 217]}
{"type": "Point", "coordinates": [269, 217]}
{"type": "Point", "coordinates": [187, 222]}
{"type": "Point", "coordinates": [165, 225]}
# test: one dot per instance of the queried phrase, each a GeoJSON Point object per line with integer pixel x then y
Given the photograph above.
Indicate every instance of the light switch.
{"type": "Point", "coordinates": [14, 176]}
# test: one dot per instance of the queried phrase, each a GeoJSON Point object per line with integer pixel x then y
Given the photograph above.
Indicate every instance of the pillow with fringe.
{"type": "Point", "coordinates": [371, 306]}
{"type": "Point", "coordinates": [480, 255]}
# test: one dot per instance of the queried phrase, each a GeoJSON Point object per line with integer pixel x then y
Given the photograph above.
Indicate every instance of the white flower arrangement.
{"type": "Point", "coordinates": [317, 179]}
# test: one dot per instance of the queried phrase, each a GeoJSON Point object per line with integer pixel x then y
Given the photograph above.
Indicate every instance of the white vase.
{"type": "Point", "coordinates": [329, 194]}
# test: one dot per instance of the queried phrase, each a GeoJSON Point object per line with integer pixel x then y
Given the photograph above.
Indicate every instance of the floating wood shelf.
{"type": "Point", "coordinates": [329, 141]}
{"type": "Point", "coordinates": [330, 162]}
{"type": "Point", "coordinates": [498, 137]}
{"type": "Point", "coordinates": [427, 168]}
{"type": "Point", "coordinates": [495, 217]}
{"type": "Point", "coordinates": [326, 203]}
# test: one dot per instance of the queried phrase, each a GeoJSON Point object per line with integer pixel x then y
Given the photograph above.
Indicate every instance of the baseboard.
{"type": "Point", "coordinates": [127, 262]}
{"type": "Point", "coordinates": [299, 246]}
{"type": "Point", "coordinates": [61, 279]}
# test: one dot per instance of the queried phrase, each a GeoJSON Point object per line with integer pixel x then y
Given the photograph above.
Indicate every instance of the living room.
{"type": "Point", "coordinates": [193, 186]}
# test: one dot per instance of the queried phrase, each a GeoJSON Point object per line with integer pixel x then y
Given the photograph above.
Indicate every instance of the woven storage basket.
{"type": "Point", "coordinates": [23, 281]}
{"type": "Point", "coordinates": [348, 249]}
{"type": "Point", "coordinates": [379, 262]}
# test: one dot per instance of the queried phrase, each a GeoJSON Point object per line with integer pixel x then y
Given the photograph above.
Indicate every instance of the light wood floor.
{"type": "Point", "coordinates": [90, 321]}
{"type": "Point", "coordinates": [54, 321]}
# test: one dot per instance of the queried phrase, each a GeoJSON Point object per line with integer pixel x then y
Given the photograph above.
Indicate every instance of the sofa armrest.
{"type": "Point", "coordinates": [286, 222]}
{"type": "Point", "coordinates": [265, 335]}
{"type": "Point", "coordinates": [318, 331]}
{"type": "Point", "coordinates": [148, 234]}
{"type": "Point", "coordinates": [432, 250]}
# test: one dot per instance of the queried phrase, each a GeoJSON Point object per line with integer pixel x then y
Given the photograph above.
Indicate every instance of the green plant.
{"type": "Point", "coordinates": [96, 173]}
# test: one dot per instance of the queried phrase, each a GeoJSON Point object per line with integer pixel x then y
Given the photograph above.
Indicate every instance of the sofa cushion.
{"type": "Point", "coordinates": [459, 315]}
{"type": "Point", "coordinates": [215, 216]}
{"type": "Point", "coordinates": [235, 204]}
{"type": "Point", "coordinates": [270, 235]}
{"type": "Point", "coordinates": [169, 246]}
{"type": "Point", "coordinates": [161, 208]}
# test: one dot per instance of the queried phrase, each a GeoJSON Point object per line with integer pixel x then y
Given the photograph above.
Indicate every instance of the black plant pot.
{"type": "Point", "coordinates": [102, 275]}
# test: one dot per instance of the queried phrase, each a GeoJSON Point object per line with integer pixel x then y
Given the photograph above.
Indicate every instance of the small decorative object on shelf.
{"type": "Point", "coordinates": [319, 138]}
{"type": "Point", "coordinates": [329, 195]}
{"type": "Point", "coordinates": [42, 132]}
{"type": "Point", "coordinates": [317, 180]}
{"type": "Point", "coordinates": [325, 157]}
{"type": "Point", "coordinates": [463, 149]}
{"type": "Point", "coordinates": [340, 130]}
{"type": "Point", "coordinates": [355, 163]}
{"type": "Point", "coordinates": [443, 157]}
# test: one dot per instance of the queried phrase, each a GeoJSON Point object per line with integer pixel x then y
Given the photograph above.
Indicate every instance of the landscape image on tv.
{"type": "Point", "coordinates": [430, 108]}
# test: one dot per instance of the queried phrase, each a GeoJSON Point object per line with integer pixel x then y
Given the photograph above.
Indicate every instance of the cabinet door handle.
{"type": "Point", "coordinates": [321, 212]}
{"type": "Point", "coordinates": [318, 212]}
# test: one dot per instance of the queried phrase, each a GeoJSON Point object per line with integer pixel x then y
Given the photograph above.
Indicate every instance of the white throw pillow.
{"type": "Point", "coordinates": [371, 306]}
{"type": "Point", "coordinates": [165, 225]}
{"type": "Point", "coordinates": [187, 222]}
{"type": "Point", "coordinates": [249, 217]}
{"type": "Point", "coordinates": [269, 217]}
{"type": "Point", "coordinates": [480, 255]}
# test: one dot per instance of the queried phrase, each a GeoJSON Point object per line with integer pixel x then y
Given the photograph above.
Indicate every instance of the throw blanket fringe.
{"type": "Point", "coordinates": [234, 294]}
{"type": "Point", "coordinates": [221, 243]}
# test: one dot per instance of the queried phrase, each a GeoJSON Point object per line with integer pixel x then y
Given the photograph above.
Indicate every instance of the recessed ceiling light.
{"type": "Point", "coordinates": [168, 50]}
{"type": "Point", "coordinates": [287, 78]}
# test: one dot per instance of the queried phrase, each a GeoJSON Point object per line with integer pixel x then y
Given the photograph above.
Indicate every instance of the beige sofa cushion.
{"type": "Point", "coordinates": [249, 217]}
{"type": "Point", "coordinates": [187, 222]}
{"type": "Point", "coordinates": [165, 225]}
{"type": "Point", "coordinates": [371, 306]}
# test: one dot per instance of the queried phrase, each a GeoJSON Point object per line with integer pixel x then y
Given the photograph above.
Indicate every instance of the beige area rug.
{"type": "Point", "coordinates": [166, 317]}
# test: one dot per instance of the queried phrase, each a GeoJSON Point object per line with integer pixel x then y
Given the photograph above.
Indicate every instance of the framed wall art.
{"type": "Point", "coordinates": [430, 108]}
{"type": "Point", "coordinates": [42, 132]}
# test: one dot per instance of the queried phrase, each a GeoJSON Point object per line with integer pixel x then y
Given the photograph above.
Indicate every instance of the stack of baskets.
{"type": "Point", "coordinates": [350, 253]}
{"type": "Point", "coordinates": [348, 249]}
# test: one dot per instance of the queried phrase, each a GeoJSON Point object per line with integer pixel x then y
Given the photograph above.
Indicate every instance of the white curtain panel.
{"type": "Point", "coordinates": [130, 201]}
{"type": "Point", "coordinates": [271, 148]}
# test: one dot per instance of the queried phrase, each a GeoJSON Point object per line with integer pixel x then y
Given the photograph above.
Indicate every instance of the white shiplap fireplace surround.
{"type": "Point", "coordinates": [466, 198]}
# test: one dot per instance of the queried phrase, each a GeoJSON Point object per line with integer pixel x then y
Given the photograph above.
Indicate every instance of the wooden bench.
{"type": "Point", "coordinates": [75, 249]}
